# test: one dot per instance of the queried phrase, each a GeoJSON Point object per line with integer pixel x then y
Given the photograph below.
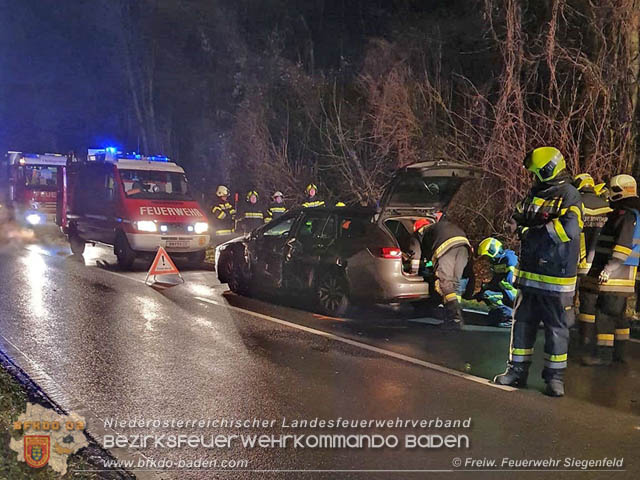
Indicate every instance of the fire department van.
{"type": "Point", "coordinates": [33, 190]}
{"type": "Point", "coordinates": [134, 203]}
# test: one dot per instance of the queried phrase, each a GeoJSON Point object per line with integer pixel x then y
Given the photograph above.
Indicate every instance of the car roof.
{"type": "Point", "coordinates": [347, 210]}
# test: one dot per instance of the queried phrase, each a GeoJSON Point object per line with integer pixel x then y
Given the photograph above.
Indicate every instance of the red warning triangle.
{"type": "Point", "coordinates": [162, 264]}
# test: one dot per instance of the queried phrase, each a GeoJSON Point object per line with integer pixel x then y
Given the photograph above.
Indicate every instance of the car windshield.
{"type": "Point", "coordinates": [40, 177]}
{"type": "Point", "coordinates": [155, 185]}
{"type": "Point", "coordinates": [415, 190]}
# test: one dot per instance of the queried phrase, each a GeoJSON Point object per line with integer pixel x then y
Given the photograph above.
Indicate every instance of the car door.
{"type": "Point", "coordinates": [424, 189]}
{"type": "Point", "coordinates": [267, 247]}
{"type": "Point", "coordinates": [314, 236]}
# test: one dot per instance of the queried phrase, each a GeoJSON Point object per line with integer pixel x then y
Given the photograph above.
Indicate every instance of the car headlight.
{"type": "Point", "coordinates": [146, 226]}
{"type": "Point", "coordinates": [201, 227]}
{"type": "Point", "coordinates": [34, 219]}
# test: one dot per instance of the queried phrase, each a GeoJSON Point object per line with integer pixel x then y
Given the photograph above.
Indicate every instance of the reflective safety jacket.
{"type": "Point", "coordinates": [503, 268]}
{"type": "Point", "coordinates": [314, 201]}
{"type": "Point", "coordinates": [595, 216]}
{"type": "Point", "coordinates": [224, 216]}
{"type": "Point", "coordinates": [617, 250]}
{"type": "Point", "coordinates": [441, 237]}
{"type": "Point", "coordinates": [274, 211]}
{"type": "Point", "coordinates": [550, 223]}
{"type": "Point", "coordinates": [249, 217]}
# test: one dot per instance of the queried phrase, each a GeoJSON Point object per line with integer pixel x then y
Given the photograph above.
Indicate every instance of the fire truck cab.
{"type": "Point", "coordinates": [132, 202]}
{"type": "Point", "coordinates": [32, 180]}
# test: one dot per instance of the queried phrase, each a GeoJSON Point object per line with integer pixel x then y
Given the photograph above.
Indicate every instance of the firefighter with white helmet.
{"type": "Point", "coordinates": [613, 273]}
{"type": "Point", "coordinates": [276, 208]}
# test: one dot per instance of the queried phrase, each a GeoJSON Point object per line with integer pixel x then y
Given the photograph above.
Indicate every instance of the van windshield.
{"type": "Point", "coordinates": [155, 185]}
{"type": "Point", "coordinates": [40, 177]}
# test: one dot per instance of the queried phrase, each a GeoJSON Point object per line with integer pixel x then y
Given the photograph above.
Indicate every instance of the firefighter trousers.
{"type": "Point", "coordinates": [531, 309]}
{"type": "Point", "coordinates": [612, 325]}
{"type": "Point", "coordinates": [448, 270]}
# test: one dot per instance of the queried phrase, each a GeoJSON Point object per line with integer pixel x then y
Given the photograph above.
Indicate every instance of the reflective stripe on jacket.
{"type": "Point", "coordinates": [550, 221]}
{"type": "Point", "coordinates": [223, 218]}
{"type": "Point", "coordinates": [617, 250]}
{"type": "Point", "coordinates": [595, 216]}
{"type": "Point", "coordinates": [274, 211]}
{"type": "Point", "coordinates": [440, 238]}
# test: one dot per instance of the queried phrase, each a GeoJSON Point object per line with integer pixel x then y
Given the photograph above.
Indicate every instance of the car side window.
{"type": "Point", "coordinates": [279, 229]}
{"type": "Point", "coordinates": [311, 226]}
{"type": "Point", "coordinates": [352, 227]}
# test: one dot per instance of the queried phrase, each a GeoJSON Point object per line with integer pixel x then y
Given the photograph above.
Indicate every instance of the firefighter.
{"type": "Point", "coordinates": [499, 294]}
{"type": "Point", "coordinates": [223, 213]}
{"type": "Point", "coordinates": [312, 199]}
{"type": "Point", "coordinates": [446, 246]}
{"type": "Point", "coordinates": [276, 208]}
{"type": "Point", "coordinates": [596, 209]}
{"type": "Point", "coordinates": [613, 274]}
{"type": "Point", "coordinates": [549, 222]}
{"type": "Point", "coordinates": [250, 216]}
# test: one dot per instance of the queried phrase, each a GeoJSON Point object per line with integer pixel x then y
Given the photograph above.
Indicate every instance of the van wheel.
{"type": "Point", "coordinates": [332, 294]}
{"type": "Point", "coordinates": [126, 256]}
{"type": "Point", "coordinates": [77, 244]}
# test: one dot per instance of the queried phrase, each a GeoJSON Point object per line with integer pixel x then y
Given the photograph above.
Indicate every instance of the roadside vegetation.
{"type": "Point", "coordinates": [13, 400]}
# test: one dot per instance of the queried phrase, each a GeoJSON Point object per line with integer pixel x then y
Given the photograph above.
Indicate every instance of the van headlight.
{"type": "Point", "coordinates": [201, 227]}
{"type": "Point", "coordinates": [34, 219]}
{"type": "Point", "coordinates": [146, 226]}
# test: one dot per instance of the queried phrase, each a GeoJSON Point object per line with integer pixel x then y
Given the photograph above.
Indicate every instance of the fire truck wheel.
{"type": "Point", "coordinates": [126, 256]}
{"type": "Point", "coordinates": [76, 244]}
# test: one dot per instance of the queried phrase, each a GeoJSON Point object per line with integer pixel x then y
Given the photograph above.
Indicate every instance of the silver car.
{"type": "Point", "coordinates": [343, 255]}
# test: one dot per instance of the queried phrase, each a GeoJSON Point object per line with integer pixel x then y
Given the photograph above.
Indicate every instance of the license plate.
{"type": "Point", "coordinates": [177, 244]}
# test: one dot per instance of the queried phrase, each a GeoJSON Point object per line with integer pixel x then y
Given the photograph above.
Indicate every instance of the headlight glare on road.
{"type": "Point", "coordinates": [201, 227]}
{"type": "Point", "coordinates": [34, 219]}
{"type": "Point", "coordinates": [146, 226]}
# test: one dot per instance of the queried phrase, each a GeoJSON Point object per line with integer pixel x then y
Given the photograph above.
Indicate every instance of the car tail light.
{"type": "Point", "coordinates": [390, 252]}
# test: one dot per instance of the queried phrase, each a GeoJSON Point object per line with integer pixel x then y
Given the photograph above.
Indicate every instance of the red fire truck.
{"type": "Point", "coordinates": [132, 202]}
{"type": "Point", "coordinates": [32, 180]}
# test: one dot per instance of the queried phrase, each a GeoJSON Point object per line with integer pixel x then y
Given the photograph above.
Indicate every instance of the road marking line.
{"type": "Point", "coordinates": [364, 346]}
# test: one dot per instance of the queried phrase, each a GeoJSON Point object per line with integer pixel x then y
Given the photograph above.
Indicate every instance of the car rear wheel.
{"type": "Point", "coordinates": [76, 243]}
{"type": "Point", "coordinates": [332, 294]}
{"type": "Point", "coordinates": [126, 256]}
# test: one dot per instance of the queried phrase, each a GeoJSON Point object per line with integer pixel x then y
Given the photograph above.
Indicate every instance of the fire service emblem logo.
{"type": "Point", "coordinates": [36, 450]}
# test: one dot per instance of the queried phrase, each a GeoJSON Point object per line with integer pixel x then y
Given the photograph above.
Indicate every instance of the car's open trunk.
{"type": "Point", "coordinates": [402, 230]}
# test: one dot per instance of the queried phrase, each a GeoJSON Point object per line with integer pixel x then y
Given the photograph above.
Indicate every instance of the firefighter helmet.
{"type": "Point", "coordinates": [251, 193]}
{"type": "Point", "coordinates": [622, 186]}
{"type": "Point", "coordinates": [602, 190]}
{"type": "Point", "coordinates": [310, 187]}
{"type": "Point", "coordinates": [545, 163]}
{"type": "Point", "coordinates": [420, 224]}
{"type": "Point", "coordinates": [278, 193]}
{"type": "Point", "coordinates": [583, 180]}
{"type": "Point", "coordinates": [222, 191]}
{"type": "Point", "coordinates": [490, 247]}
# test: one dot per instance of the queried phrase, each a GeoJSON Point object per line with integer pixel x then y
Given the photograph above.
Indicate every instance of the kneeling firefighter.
{"type": "Point", "coordinates": [549, 222]}
{"type": "Point", "coordinates": [613, 274]}
{"type": "Point", "coordinates": [499, 294]}
{"type": "Point", "coordinates": [446, 245]}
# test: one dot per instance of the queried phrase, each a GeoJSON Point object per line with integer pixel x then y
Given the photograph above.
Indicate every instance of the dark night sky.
{"type": "Point", "coordinates": [58, 87]}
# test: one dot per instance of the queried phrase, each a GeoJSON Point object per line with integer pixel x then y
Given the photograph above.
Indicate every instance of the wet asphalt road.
{"type": "Point", "coordinates": [102, 343]}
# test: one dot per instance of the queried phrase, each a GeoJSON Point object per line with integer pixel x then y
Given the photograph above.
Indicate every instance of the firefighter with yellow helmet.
{"type": "Point", "coordinates": [250, 216]}
{"type": "Point", "coordinates": [613, 273]}
{"type": "Point", "coordinates": [312, 199]}
{"type": "Point", "coordinates": [596, 209]}
{"type": "Point", "coordinates": [549, 222]}
{"type": "Point", "coordinates": [499, 294]}
{"type": "Point", "coordinates": [222, 212]}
